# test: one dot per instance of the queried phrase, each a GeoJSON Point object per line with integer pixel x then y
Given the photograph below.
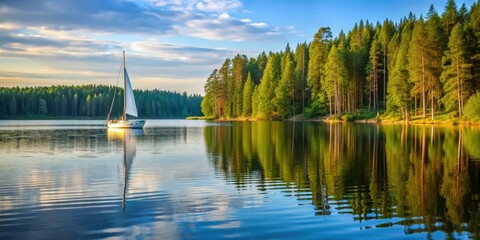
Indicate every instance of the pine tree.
{"type": "Point", "coordinates": [335, 74]}
{"type": "Point", "coordinates": [266, 89]}
{"type": "Point", "coordinates": [450, 16]}
{"type": "Point", "coordinates": [247, 96]}
{"type": "Point", "coordinates": [399, 87]}
{"type": "Point", "coordinates": [359, 45]}
{"type": "Point", "coordinates": [300, 84]}
{"type": "Point", "coordinates": [75, 105]}
{"type": "Point", "coordinates": [318, 54]}
{"type": "Point", "coordinates": [473, 43]}
{"type": "Point", "coordinates": [255, 100]}
{"type": "Point", "coordinates": [224, 90]}
{"type": "Point", "coordinates": [210, 100]}
{"type": "Point", "coordinates": [386, 34]}
{"type": "Point", "coordinates": [262, 63]}
{"type": "Point", "coordinates": [239, 75]}
{"type": "Point", "coordinates": [284, 56]}
{"type": "Point", "coordinates": [42, 108]}
{"type": "Point", "coordinates": [456, 72]}
{"type": "Point", "coordinates": [88, 104]}
{"type": "Point", "coordinates": [347, 88]}
{"type": "Point", "coordinates": [283, 92]}
{"type": "Point", "coordinates": [418, 55]}
{"type": "Point", "coordinates": [463, 14]}
{"type": "Point", "coordinates": [12, 106]}
{"type": "Point", "coordinates": [374, 70]}
{"type": "Point", "coordinates": [436, 46]}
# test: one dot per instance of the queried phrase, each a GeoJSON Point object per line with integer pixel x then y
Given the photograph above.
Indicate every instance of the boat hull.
{"type": "Point", "coordinates": [134, 123]}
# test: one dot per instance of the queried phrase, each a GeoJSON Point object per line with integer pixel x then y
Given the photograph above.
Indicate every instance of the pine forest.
{"type": "Point", "coordinates": [92, 101]}
{"type": "Point", "coordinates": [419, 66]}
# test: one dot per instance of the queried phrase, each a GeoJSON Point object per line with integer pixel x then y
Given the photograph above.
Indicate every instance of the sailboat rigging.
{"type": "Point", "coordinates": [129, 106]}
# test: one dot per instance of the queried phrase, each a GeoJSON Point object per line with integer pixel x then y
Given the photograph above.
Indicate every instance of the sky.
{"type": "Point", "coordinates": [170, 44]}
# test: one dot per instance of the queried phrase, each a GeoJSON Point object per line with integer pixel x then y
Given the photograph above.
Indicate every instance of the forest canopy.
{"type": "Point", "coordinates": [419, 65]}
{"type": "Point", "coordinates": [93, 101]}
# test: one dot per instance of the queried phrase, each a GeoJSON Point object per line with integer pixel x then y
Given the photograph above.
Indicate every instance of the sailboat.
{"type": "Point", "coordinates": [129, 106]}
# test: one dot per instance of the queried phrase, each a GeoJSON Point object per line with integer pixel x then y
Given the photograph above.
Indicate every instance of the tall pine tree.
{"type": "Point", "coordinates": [334, 76]}
{"type": "Point", "coordinates": [456, 72]}
{"type": "Point", "coordinates": [283, 92]}
{"type": "Point", "coordinates": [399, 87]}
{"type": "Point", "coordinates": [266, 89]}
{"type": "Point", "coordinates": [318, 54]}
{"type": "Point", "coordinates": [247, 96]}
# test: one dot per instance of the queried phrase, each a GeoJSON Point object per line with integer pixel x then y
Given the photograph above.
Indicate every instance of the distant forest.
{"type": "Point", "coordinates": [92, 101]}
{"type": "Point", "coordinates": [419, 66]}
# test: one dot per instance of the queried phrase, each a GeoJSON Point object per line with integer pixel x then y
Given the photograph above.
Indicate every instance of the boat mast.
{"type": "Point", "coordinates": [124, 116]}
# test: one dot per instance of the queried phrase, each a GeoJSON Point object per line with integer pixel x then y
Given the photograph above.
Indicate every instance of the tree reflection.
{"type": "Point", "coordinates": [420, 174]}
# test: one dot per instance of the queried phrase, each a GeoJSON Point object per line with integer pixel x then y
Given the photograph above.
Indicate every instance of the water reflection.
{"type": "Point", "coordinates": [128, 137]}
{"type": "Point", "coordinates": [260, 180]}
{"type": "Point", "coordinates": [423, 178]}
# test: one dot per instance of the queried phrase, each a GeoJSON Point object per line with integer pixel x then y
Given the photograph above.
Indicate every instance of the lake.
{"type": "Point", "coordinates": [179, 179]}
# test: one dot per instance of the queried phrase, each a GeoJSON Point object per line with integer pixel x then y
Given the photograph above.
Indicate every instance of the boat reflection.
{"type": "Point", "coordinates": [128, 137]}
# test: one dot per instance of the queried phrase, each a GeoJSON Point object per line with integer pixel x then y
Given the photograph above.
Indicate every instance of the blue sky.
{"type": "Point", "coordinates": [170, 44]}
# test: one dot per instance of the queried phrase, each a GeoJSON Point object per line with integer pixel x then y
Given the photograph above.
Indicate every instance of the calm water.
{"type": "Point", "coordinates": [262, 180]}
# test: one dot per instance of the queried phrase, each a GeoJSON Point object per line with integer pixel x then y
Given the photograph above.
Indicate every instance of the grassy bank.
{"type": "Point", "coordinates": [365, 116]}
{"type": "Point", "coordinates": [197, 118]}
{"type": "Point", "coordinates": [439, 118]}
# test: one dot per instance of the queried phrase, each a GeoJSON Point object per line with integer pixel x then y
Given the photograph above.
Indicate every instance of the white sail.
{"type": "Point", "coordinates": [130, 106]}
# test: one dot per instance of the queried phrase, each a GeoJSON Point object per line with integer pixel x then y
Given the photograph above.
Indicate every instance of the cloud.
{"type": "Point", "coordinates": [167, 18]}
{"type": "Point", "coordinates": [110, 16]}
{"type": "Point", "coordinates": [34, 60]}
{"type": "Point", "coordinates": [45, 43]}
{"type": "Point", "coordinates": [178, 52]}
{"type": "Point", "coordinates": [217, 6]}
{"type": "Point", "coordinates": [225, 27]}
{"type": "Point", "coordinates": [80, 41]}
{"type": "Point", "coordinates": [259, 25]}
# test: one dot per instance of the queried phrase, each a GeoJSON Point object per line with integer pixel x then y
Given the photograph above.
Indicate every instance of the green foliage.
{"type": "Point", "coordinates": [348, 117]}
{"type": "Point", "coordinates": [456, 72]}
{"type": "Point", "coordinates": [247, 96]}
{"type": "Point", "coordinates": [301, 59]}
{"type": "Point", "coordinates": [399, 87]}
{"type": "Point", "coordinates": [389, 64]}
{"type": "Point", "coordinates": [92, 101]}
{"type": "Point", "coordinates": [335, 74]}
{"type": "Point", "coordinates": [255, 100]}
{"type": "Point", "coordinates": [266, 89]}
{"type": "Point", "coordinates": [417, 62]}
{"type": "Point", "coordinates": [226, 89]}
{"type": "Point", "coordinates": [239, 72]}
{"type": "Point", "coordinates": [318, 54]}
{"type": "Point", "coordinates": [197, 118]}
{"type": "Point", "coordinates": [450, 16]}
{"type": "Point", "coordinates": [374, 71]}
{"type": "Point", "coordinates": [42, 109]}
{"type": "Point", "coordinates": [285, 90]}
{"type": "Point", "coordinates": [317, 108]}
{"type": "Point", "coordinates": [472, 108]}
{"type": "Point", "coordinates": [209, 102]}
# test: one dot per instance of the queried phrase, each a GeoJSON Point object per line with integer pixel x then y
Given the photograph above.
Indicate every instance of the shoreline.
{"type": "Point", "coordinates": [369, 121]}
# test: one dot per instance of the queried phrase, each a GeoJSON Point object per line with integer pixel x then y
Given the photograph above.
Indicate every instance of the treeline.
{"type": "Point", "coordinates": [93, 101]}
{"type": "Point", "coordinates": [417, 66]}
